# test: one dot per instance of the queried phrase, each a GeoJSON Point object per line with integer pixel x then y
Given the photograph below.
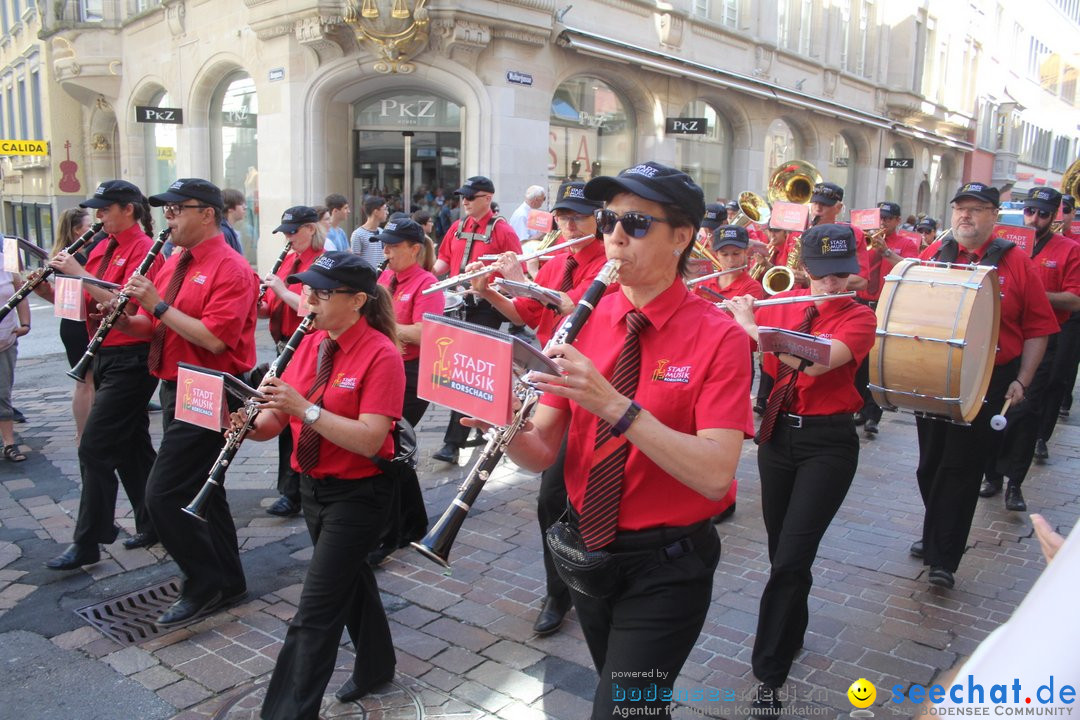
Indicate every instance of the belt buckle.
{"type": "Point", "coordinates": [795, 421]}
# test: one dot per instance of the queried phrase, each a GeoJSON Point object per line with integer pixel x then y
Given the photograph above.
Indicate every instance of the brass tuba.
{"type": "Point", "coordinates": [794, 182]}
{"type": "Point", "coordinates": [752, 209]}
{"type": "Point", "coordinates": [1070, 185]}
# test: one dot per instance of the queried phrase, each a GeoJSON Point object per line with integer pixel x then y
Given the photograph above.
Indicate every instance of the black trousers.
{"type": "Point", "coordinates": [207, 552]}
{"type": "Point", "coordinates": [1062, 376]}
{"type": "Point", "coordinates": [288, 480]}
{"type": "Point", "coordinates": [805, 476]}
{"type": "Point", "coordinates": [951, 463]}
{"type": "Point", "coordinates": [116, 441]}
{"type": "Point", "coordinates": [1016, 448]}
{"type": "Point", "coordinates": [344, 519]}
{"type": "Point", "coordinates": [484, 314]}
{"type": "Point", "coordinates": [653, 620]}
{"type": "Point", "coordinates": [550, 506]}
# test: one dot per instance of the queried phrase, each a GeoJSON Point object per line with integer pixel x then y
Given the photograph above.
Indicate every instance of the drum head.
{"type": "Point", "coordinates": [980, 344]}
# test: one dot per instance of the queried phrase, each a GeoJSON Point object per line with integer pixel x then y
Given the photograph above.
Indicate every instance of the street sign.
{"type": "Point", "coordinates": [687, 126]}
{"type": "Point", "coordinates": [519, 78]}
{"type": "Point", "coordinates": [899, 163]}
{"type": "Point", "coordinates": [24, 147]}
{"type": "Point", "coordinates": [166, 115]}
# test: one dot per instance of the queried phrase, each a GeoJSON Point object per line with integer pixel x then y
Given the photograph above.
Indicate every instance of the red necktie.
{"type": "Point", "coordinates": [157, 339]}
{"type": "Point", "coordinates": [603, 491]}
{"type": "Point", "coordinates": [784, 387]}
{"type": "Point", "coordinates": [277, 315]}
{"type": "Point", "coordinates": [107, 257]}
{"type": "Point", "coordinates": [873, 283]}
{"type": "Point", "coordinates": [568, 274]}
{"type": "Point", "coordinates": [307, 445]}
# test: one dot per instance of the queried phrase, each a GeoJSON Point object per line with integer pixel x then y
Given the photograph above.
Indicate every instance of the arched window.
{"type": "Point", "coordinates": [707, 157]}
{"type": "Point", "coordinates": [160, 143]}
{"type": "Point", "coordinates": [841, 169]}
{"type": "Point", "coordinates": [894, 179]}
{"type": "Point", "coordinates": [780, 146]}
{"type": "Point", "coordinates": [591, 132]}
{"type": "Point", "coordinates": [234, 110]}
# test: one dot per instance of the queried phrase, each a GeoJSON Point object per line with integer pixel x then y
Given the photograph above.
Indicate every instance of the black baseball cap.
{"type": "Point", "coordinates": [112, 192]}
{"type": "Point", "coordinates": [655, 182]}
{"type": "Point", "coordinates": [978, 191]}
{"type": "Point", "coordinates": [1043, 198]}
{"type": "Point", "coordinates": [1068, 203]}
{"type": "Point", "coordinates": [928, 223]}
{"type": "Point", "coordinates": [571, 196]}
{"type": "Point", "coordinates": [827, 193]}
{"type": "Point", "coordinates": [829, 249]}
{"type": "Point", "coordinates": [730, 235]}
{"type": "Point", "coordinates": [294, 217]}
{"type": "Point", "coordinates": [338, 269]}
{"type": "Point", "coordinates": [732, 205]}
{"type": "Point", "coordinates": [401, 230]}
{"type": "Point", "coordinates": [183, 189]}
{"type": "Point", "coordinates": [715, 215]}
{"type": "Point", "coordinates": [475, 184]}
{"type": "Point", "coordinates": [889, 209]}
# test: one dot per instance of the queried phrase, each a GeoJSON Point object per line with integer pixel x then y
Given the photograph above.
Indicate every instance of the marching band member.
{"type": "Point", "coordinates": [807, 446]}
{"type": "Point", "coordinates": [116, 439]}
{"type": "Point", "coordinates": [199, 309]}
{"type": "Point", "coordinates": [730, 243]}
{"type": "Point", "coordinates": [927, 227]}
{"type": "Point", "coordinates": [306, 237]}
{"type": "Point", "coordinates": [350, 371]}
{"type": "Point", "coordinates": [826, 205]}
{"type": "Point", "coordinates": [654, 394]}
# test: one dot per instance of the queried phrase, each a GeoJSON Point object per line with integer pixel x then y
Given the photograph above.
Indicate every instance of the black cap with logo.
{"type": "Point", "coordinates": [338, 269]}
{"type": "Point", "coordinates": [978, 191]}
{"type": "Point", "coordinates": [715, 215]}
{"type": "Point", "coordinates": [655, 182]}
{"type": "Point", "coordinates": [183, 189]}
{"type": "Point", "coordinates": [827, 193]}
{"type": "Point", "coordinates": [294, 217]}
{"type": "Point", "coordinates": [1043, 198]}
{"type": "Point", "coordinates": [889, 210]}
{"type": "Point", "coordinates": [571, 196]}
{"type": "Point", "coordinates": [829, 250]}
{"type": "Point", "coordinates": [927, 223]}
{"type": "Point", "coordinates": [112, 192]}
{"type": "Point", "coordinates": [401, 230]}
{"type": "Point", "coordinates": [730, 235]}
{"type": "Point", "coordinates": [475, 184]}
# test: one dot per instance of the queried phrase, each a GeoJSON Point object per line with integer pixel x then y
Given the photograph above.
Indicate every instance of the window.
{"type": "Point", "coordinates": [35, 94]}
{"type": "Point", "coordinates": [842, 168]}
{"type": "Point", "coordinates": [1062, 154]}
{"type": "Point", "coordinates": [11, 114]}
{"type": "Point", "coordinates": [591, 132]}
{"type": "Point", "coordinates": [780, 146]}
{"type": "Point", "coordinates": [706, 158]}
{"type": "Point", "coordinates": [23, 127]}
{"type": "Point", "coordinates": [234, 112]}
{"type": "Point", "coordinates": [1068, 85]}
{"type": "Point", "coordinates": [894, 179]}
{"type": "Point", "coordinates": [159, 141]}
{"type": "Point", "coordinates": [806, 21]}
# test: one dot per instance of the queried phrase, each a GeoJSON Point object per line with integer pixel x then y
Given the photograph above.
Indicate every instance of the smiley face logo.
{"type": "Point", "coordinates": [862, 693]}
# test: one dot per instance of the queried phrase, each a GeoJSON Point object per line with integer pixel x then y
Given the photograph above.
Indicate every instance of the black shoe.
{"type": "Point", "coordinates": [941, 577]}
{"type": "Point", "coordinates": [186, 609]}
{"type": "Point", "coordinates": [375, 557]}
{"type": "Point", "coordinates": [766, 703]}
{"type": "Point", "coordinates": [1063, 413]}
{"type": "Point", "coordinates": [871, 426]}
{"type": "Point", "coordinates": [138, 540]}
{"type": "Point", "coordinates": [447, 453]}
{"type": "Point", "coordinates": [17, 416]}
{"type": "Point", "coordinates": [75, 556]}
{"type": "Point", "coordinates": [350, 691]}
{"type": "Point", "coordinates": [991, 486]}
{"type": "Point", "coordinates": [860, 418]}
{"type": "Point", "coordinates": [283, 507]}
{"type": "Point", "coordinates": [232, 595]}
{"type": "Point", "coordinates": [724, 514]}
{"type": "Point", "coordinates": [1014, 499]}
{"type": "Point", "coordinates": [917, 550]}
{"type": "Point", "coordinates": [1041, 451]}
{"type": "Point", "coordinates": [551, 615]}
{"type": "Point", "coordinates": [153, 407]}
{"type": "Point", "coordinates": [759, 407]}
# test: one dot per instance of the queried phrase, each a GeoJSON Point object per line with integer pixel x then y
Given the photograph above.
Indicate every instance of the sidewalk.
{"type": "Point", "coordinates": [464, 641]}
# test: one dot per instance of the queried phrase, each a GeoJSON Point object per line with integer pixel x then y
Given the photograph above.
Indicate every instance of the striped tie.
{"type": "Point", "coordinates": [307, 445]}
{"type": "Point", "coordinates": [784, 387]}
{"type": "Point", "coordinates": [157, 339]}
{"type": "Point", "coordinates": [600, 509]}
{"type": "Point", "coordinates": [568, 274]}
{"type": "Point", "coordinates": [106, 258]}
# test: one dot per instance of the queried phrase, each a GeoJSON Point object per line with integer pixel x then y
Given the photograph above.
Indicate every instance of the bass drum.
{"type": "Point", "coordinates": [453, 306]}
{"type": "Point", "coordinates": [936, 339]}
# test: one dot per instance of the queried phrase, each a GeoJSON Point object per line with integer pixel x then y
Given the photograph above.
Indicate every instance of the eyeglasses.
{"type": "Point", "coordinates": [476, 196]}
{"type": "Point", "coordinates": [1044, 214]}
{"type": "Point", "coordinates": [840, 276]}
{"type": "Point", "coordinates": [971, 209]}
{"type": "Point", "coordinates": [176, 208]}
{"type": "Point", "coordinates": [634, 224]}
{"type": "Point", "coordinates": [325, 294]}
{"type": "Point", "coordinates": [577, 218]}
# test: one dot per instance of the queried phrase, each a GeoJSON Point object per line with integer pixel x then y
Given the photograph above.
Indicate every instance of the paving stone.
{"type": "Point", "coordinates": [130, 660]}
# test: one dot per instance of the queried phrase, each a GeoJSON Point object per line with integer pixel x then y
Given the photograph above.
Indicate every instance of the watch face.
{"type": "Point", "coordinates": [312, 414]}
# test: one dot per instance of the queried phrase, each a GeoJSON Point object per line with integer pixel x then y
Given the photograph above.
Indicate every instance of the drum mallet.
{"type": "Point", "coordinates": [999, 421]}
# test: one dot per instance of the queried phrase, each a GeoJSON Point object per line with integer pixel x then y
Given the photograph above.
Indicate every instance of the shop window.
{"type": "Point", "coordinates": [591, 132]}
{"type": "Point", "coordinates": [234, 111]}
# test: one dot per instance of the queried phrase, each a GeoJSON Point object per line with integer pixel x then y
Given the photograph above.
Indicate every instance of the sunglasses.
{"type": "Point", "coordinates": [924, 231]}
{"type": "Point", "coordinates": [1044, 214]}
{"type": "Point", "coordinates": [634, 224]}
{"type": "Point", "coordinates": [841, 276]}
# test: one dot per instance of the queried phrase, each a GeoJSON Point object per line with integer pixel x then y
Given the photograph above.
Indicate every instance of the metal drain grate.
{"type": "Point", "coordinates": [129, 619]}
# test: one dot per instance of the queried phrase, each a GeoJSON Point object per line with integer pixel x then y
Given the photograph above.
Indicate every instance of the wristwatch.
{"type": "Point", "coordinates": [160, 309]}
{"type": "Point", "coordinates": [312, 414]}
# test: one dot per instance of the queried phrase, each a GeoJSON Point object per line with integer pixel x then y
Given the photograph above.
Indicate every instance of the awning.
{"type": "Point", "coordinates": [618, 51]}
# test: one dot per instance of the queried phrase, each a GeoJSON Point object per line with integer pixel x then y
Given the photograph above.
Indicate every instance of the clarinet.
{"type": "Point", "coordinates": [197, 507]}
{"type": "Point", "coordinates": [43, 275]}
{"type": "Point", "coordinates": [437, 543]}
{"type": "Point", "coordinates": [273, 270]}
{"type": "Point", "coordinates": [79, 371]}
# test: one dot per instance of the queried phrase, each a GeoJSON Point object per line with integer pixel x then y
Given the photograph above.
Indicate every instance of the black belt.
{"type": "Point", "coordinates": [801, 421]}
{"type": "Point", "coordinates": [134, 348]}
{"type": "Point", "coordinates": [670, 541]}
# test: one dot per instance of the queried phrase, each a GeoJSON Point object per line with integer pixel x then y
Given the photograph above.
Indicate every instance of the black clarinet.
{"type": "Point", "coordinates": [79, 371]}
{"type": "Point", "coordinates": [45, 272]}
{"type": "Point", "coordinates": [436, 544]}
{"type": "Point", "coordinates": [273, 270]}
{"type": "Point", "coordinates": [197, 507]}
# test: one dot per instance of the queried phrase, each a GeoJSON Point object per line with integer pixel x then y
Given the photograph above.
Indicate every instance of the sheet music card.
{"type": "Point", "coordinates": [807, 347]}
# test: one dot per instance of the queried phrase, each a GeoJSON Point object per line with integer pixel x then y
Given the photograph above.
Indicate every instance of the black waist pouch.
{"type": "Point", "coordinates": [589, 572]}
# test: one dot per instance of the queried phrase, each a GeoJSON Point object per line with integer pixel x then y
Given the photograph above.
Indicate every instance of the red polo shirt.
{"type": "Point", "coordinates": [368, 378]}
{"type": "Point", "coordinates": [220, 290]}
{"type": "Point", "coordinates": [543, 319]}
{"type": "Point", "coordinates": [290, 320]}
{"type": "Point", "coordinates": [695, 375]}
{"type": "Point", "coordinates": [845, 320]}
{"type": "Point", "coordinates": [133, 247]}
{"type": "Point", "coordinates": [903, 246]}
{"type": "Point", "coordinates": [409, 304]}
{"type": "Point", "coordinates": [503, 239]}
{"type": "Point", "coordinates": [742, 284]}
{"type": "Point", "coordinates": [1058, 266]}
{"type": "Point", "coordinates": [1025, 311]}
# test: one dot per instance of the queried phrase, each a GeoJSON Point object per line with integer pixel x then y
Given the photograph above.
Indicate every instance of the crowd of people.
{"type": "Point", "coordinates": [636, 439]}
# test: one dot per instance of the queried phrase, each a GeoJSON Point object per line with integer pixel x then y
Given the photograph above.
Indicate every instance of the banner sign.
{"type": "Point", "coordinates": [789, 216]}
{"type": "Point", "coordinates": [866, 219]}
{"type": "Point", "coordinates": [540, 221]}
{"type": "Point", "coordinates": [466, 370]}
{"type": "Point", "coordinates": [68, 299]}
{"type": "Point", "coordinates": [24, 147]}
{"type": "Point", "coordinates": [200, 399]}
{"type": "Point", "coordinates": [1024, 237]}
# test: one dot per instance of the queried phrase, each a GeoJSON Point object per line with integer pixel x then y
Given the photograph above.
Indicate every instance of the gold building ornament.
{"type": "Point", "coordinates": [391, 30]}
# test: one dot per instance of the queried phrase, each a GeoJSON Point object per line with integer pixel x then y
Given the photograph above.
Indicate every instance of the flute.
{"type": "Point", "coordinates": [694, 281]}
{"type": "Point", "coordinates": [45, 272]}
{"type": "Point", "coordinates": [273, 270]}
{"type": "Point", "coordinates": [79, 371]}
{"type": "Point", "coordinates": [458, 279]}
{"type": "Point", "coordinates": [797, 299]}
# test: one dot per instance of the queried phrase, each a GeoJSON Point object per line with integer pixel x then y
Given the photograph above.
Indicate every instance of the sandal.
{"type": "Point", "coordinates": [12, 453]}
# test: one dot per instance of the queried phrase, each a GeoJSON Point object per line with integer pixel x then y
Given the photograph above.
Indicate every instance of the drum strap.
{"type": "Point", "coordinates": [950, 249]}
{"type": "Point", "coordinates": [470, 237]}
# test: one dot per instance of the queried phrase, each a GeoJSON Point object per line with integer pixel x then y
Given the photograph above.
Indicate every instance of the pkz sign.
{"type": "Point", "coordinates": [899, 163]}
{"type": "Point", "coordinates": [687, 126]}
{"type": "Point", "coordinates": [171, 116]}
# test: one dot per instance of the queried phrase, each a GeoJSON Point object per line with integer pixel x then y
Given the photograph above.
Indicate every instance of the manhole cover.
{"type": "Point", "coordinates": [394, 701]}
{"type": "Point", "coordinates": [129, 619]}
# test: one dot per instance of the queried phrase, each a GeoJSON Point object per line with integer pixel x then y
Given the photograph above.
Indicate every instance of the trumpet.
{"type": "Point", "coordinates": [436, 544]}
{"type": "Point", "coordinates": [702, 251]}
{"type": "Point", "coordinates": [273, 270]}
{"type": "Point", "coordinates": [43, 274]}
{"type": "Point", "coordinates": [79, 371]}
{"type": "Point", "coordinates": [460, 279]}
{"type": "Point", "coordinates": [197, 507]}
{"type": "Point", "coordinates": [875, 239]}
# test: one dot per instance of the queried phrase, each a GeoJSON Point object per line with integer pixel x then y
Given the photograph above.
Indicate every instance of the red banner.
{"type": "Point", "coordinates": [1022, 236]}
{"type": "Point", "coordinates": [1074, 228]}
{"type": "Point", "coordinates": [789, 216]}
{"type": "Point", "coordinates": [68, 299]}
{"type": "Point", "coordinates": [866, 219]}
{"type": "Point", "coordinates": [467, 371]}
{"type": "Point", "coordinates": [540, 221]}
{"type": "Point", "coordinates": [200, 399]}
{"type": "Point", "coordinates": [911, 235]}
